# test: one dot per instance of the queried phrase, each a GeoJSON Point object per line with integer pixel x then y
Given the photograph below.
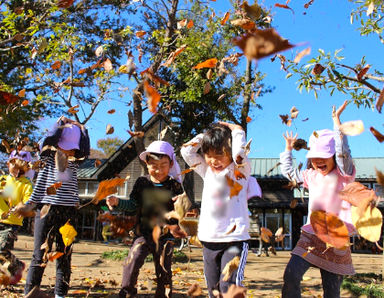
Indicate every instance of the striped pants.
{"type": "Point", "coordinates": [216, 256]}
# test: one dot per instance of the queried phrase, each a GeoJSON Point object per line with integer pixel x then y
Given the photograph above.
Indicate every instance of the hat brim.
{"type": "Point", "coordinates": [314, 154]}
{"type": "Point", "coordinates": [143, 155]}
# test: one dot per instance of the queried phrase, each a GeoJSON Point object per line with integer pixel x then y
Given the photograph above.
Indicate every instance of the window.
{"type": "Point", "coordinates": [92, 187]}
{"type": "Point", "coordinates": [379, 190]}
{"type": "Point", "coordinates": [82, 187]}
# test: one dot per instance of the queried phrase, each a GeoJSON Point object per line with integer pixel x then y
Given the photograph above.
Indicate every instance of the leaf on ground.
{"type": "Point", "coordinates": [330, 229]}
{"type": "Point", "coordinates": [153, 97]}
{"type": "Point", "coordinates": [230, 267]}
{"type": "Point", "coordinates": [352, 128]}
{"type": "Point", "coordinates": [210, 63]}
{"type": "Point", "coordinates": [368, 225]}
{"type": "Point", "coordinates": [262, 43]}
{"type": "Point", "coordinates": [194, 290]}
{"type": "Point", "coordinates": [106, 188]}
{"type": "Point", "coordinates": [377, 134]}
{"type": "Point", "coordinates": [380, 101]}
{"type": "Point", "coordinates": [68, 233]}
{"type": "Point", "coordinates": [225, 18]}
{"type": "Point", "coordinates": [235, 187]}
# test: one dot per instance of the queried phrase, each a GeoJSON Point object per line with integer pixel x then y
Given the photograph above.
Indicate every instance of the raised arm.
{"type": "Point", "coordinates": [286, 165]}
{"type": "Point", "coordinates": [189, 152]}
{"type": "Point", "coordinates": [343, 153]}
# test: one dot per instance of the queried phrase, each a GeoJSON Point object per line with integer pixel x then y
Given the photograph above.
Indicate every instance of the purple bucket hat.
{"type": "Point", "coordinates": [22, 155]}
{"type": "Point", "coordinates": [322, 145]}
{"type": "Point", "coordinates": [70, 137]}
{"type": "Point", "coordinates": [159, 147]}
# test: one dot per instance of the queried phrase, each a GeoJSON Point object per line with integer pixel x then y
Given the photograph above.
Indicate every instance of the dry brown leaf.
{"type": "Point", "coordinates": [156, 232]}
{"type": "Point", "coordinates": [285, 6]}
{"type": "Point", "coordinates": [182, 204]}
{"type": "Point", "coordinates": [230, 267]}
{"type": "Point", "coordinates": [265, 234]}
{"type": "Point", "coordinates": [209, 74]}
{"type": "Point", "coordinates": [137, 134]}
{"type": "Point", "coordinates": [363, 72]}
{"type": "Point", "coordinates": [7, 98]}
{"type": "Point", "coordinates": [285, 119]}
{"type": "Point", "coordinates": [54, 255]}
{"type": "Point", "coordinates": [235, 187]}
{"type": "Point", "coordinates": [97, 163]}
{"type": "Point", "coordinates": [207, 88]}
{"type": "Point", "coordinates": [246, 24]}
{"type": "Point", "coordinates": [112, 111]}
{"type": "Point", "coordinates": [262, 43]}
{"type": "Point", "coordinates": [153, 97]}
{"type": "Point", "coordinates": [352, 128]}
{"type": "Point", "coordinates": [231, 230]}
{"type": "Point", "coordinates": [380, 101]}
{"type": "Point", "coordinates": [210, 63]}
{"type": "Point", "coordinates": [194, 290]}
{"type": "Point", "coordinates": [73, 110]}
{"type": "Point", "coordinates": [225, 18]}
{"type": "Point", "coordinates": [300, 144]}
{"type": "Point", "coordinates": [379, 177]}
{"type": "Point", "coordinates": [279, 235]}
{"type": "Point", "coordinates": [107, 187]}
{"type": "Point", "coordinates": [56, 65]}
{"type": "Point", "coordinates": [317, 69]}
{"type": "Point", "coordinates": [109, 129]}
{"type": "Point", "coordinates": [306, 5]}
{"type": "Point", "coordinates": [173, 55]}
{"type": "Point", "coordinates": [253, 11]}
{"type": "Point", "coordinates": [294, 112]}
{"type": "Point", "coordinates": [377, 134]}
{"type": "Point", "coordinates": [6, 145]}
{"type": "Point", "coordinates": [189, 225]}
{"type": "Point", "coordinates": [44, 210]}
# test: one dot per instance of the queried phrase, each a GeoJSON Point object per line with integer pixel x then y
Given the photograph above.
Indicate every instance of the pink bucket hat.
{"type": "Point", "coordinates": [70, 137]}
{"type": "Point", "coordinates": [22, 155]}
{"type": "Point", "coordinates": [322, 145]}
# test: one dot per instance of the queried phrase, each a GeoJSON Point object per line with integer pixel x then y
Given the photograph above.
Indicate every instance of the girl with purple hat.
{"type": "Point", "coordinates": [152, 196]}
{"type": "Point", "coordinates": [15, 190]}
{"type": "Point", "coordinates": [330, 168]}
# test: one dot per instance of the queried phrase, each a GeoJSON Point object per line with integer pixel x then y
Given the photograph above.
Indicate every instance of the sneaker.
{"type": "Point", "coordinates": [15, 278]}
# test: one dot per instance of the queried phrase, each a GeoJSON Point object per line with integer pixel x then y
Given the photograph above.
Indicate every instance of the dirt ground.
{"type": "Point", "coordinates": [97, 277]}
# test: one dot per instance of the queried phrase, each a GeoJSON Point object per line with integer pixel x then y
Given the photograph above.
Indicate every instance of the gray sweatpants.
{"type": "Point", "coordinates": [216, 256]}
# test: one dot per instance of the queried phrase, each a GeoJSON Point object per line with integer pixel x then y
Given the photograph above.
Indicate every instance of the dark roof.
{"type": "Point", "coordinates": [87, 168]}
{"type": "Point", "coordinates": [272, 199]}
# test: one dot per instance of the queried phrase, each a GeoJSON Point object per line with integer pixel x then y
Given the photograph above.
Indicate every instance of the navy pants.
{"type": "Point", "coordinates": [48, 228]}
{"type": "Point", "coordinates": [293, 275]}
{"type": "Point", "coordinates": [216, 256]}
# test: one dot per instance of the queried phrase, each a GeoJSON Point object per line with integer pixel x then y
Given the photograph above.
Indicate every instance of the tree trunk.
{"type": "Point", "coordinates": [247, 95]}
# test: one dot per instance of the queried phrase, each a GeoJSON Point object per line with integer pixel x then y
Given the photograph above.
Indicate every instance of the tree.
{"type": "Point", "coordinates": [109, 145]}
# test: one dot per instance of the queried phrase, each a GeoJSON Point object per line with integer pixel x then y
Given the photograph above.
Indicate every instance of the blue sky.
{"type": "Point", "coordinates": [325, 25]}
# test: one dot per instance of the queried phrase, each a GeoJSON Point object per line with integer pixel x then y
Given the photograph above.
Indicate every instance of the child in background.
{"type": "Point", "coordinates": [150, 198]}
{"type": "Point", "coordinates": [15, 191]}
{"type": "Point", "coordinates": [224, 221]}
{"type": "Point", "coordinates": [65, 139]}
{"type": "Point", "coordinates": [330, 169]}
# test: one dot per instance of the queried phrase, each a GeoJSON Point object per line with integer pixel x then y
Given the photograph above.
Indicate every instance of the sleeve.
{"type": "Point", "coordinates": [28, 189]}
{"type": "Point", "coordinates": [239, 155]}
{"type": "Point", "coordinates": [287, 169]}
{"type": "Point", "coordinates": [343, 154]}
{"type": "Point", "coordinates": [132, 204]}
{"type": "Point", "coordinates": [191, 157]}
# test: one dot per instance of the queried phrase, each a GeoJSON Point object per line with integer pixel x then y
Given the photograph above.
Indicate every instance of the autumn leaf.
{"type": "Point", "coordinates": [379, 177]}
{"type": "Point", "coordinates": [293, 203]}
{"type": "Point", "coordinates": [246, 24]}
{"type": "Point", "coordinates": [154, 78]}
{"type": "Point", "coordinates": [330, 229]}
{"type": "Point", "coordinates": [190, 24]}
{"type": "Point", "coordinates": [44, 210]}
{"type": "Point", "coordinates": [209, 74]}
{"type": "Point", "coordinates": [112, 111]}
{"type": "Point", "coordinates": [182, 204]}
{"type": "Point", "coordinates": [301, 54]}
{"type": "Point", "coordinates": [225, 18]}
{"type": "Point", "coordinates": [380, 101]}
{"type": "Point", "coordinates": [377, 134]}
{"type": "Point", "coordinates": [239, 175]}
{"type": "Point", "coordinates": [231, 230]}
{"type": "Point", "coordinates": [358, 195]}
{"type": "Point", "coordinates": [156, 232]}
{"type": "Point", "coordinates": [21, 93]}
{"type": "Point", "coordinates": [97, 163]}
{"type": "Point", "coordinates": [368, 224]}
{"type": "Point", "coordinates": [248, 119]}
{"type": "Point", "coordinates": [352, 128]}
{"type": "Point", "coordinates": [300, 144]}
{"type": "Point", "coordinates": [235, 187]}
{"type": "Point", "coordinates": [306, 5]}
{"type": "Point", "coordinates": [24, 102]}
{"type": "Point", "coordinates": [51, 190]}
{"type": "Point", "coordinates": [221, 97]}
{"type": "Point", "coordinates": [140, 34]}
{"type": "Point", "coordinates": [265, 234]}
{"type": "Point", "coordinates": [107, 187]}
{"type": "Point", "coordinates": [190, 169]}
{"type": "Point", "coordinates": [285, 6]}
{"type": "Point", "coordinates": [207, 88]}
{"type": "Point", "coordinates": [317, 69]}
{"type": "Point", "coordinates": [109, 130]}
{"type": "Point", "coordinates": [6, 145]}
{"type": "Point", "coordinates": [138, 134]}
{"type": "Point", "coordinates": [285, 119]}
{"type": "Point", "coordinates": [56, 65]}
{"type": "Point", "coordinates": [99, 51]}
{"type": "Point", "coordinates": [230, 267]}
{"type": "Point", "coordinates": [182, 23]}
{"type": "Point", "coordinates": [64, 3]}
{"type": "Point", "coordinates": [68, 233]}
{"type": "Point", "coordinates": [54, 255]}
{"type": "Point", "coordinates": [310, 248]}
{"type": "Point", "coordinates": [7, 98]}
{"type": "Point", "coordinates": [294, 112]}
{"type": "Point", "coordinates": [210, 63]}
{"type": "Point", "coordinates": [262, 43]}
{"type": "Point", "coordinates": [189, 225]}
{"type": "Point", "coordinates": [73, 110]}
{"type": "Point", "coordinates": [253, 11]}
{"type": "Point", "coordinates": [363, 72]}
{"type": "Point", "coordinates": [194, 290]}
{"type": "Point", "coordinates": [153, 97]}
{"type": "Point", "coordinates": [107, 64]}
{"type": "Point", "coordinates": [173, 55]}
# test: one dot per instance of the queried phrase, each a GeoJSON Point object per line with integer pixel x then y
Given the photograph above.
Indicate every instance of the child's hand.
{"type": "Point", "coordinates": [336, 113]}
{"type": "Point", "coordinates": [112, 201]}
{"type": "Point", "coordinates": [231, 126]}
{"type": "Point", "coordinates": [290, 139]}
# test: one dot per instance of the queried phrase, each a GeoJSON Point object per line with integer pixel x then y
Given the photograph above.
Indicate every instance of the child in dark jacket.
{"type": "Point", "coordinates": [151, 197]}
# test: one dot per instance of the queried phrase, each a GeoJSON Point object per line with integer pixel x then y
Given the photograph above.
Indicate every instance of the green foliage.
{"type": "Point", "coordinates": [119, 255]}
{"type": "Point", "coordinates": [367, 284]}
{"type": "Point", "coordinates": [109, 145]}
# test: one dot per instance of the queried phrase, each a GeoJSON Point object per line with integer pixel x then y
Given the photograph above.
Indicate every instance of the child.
{"type": "Point", "coordinates": [150, 198]}
{"type": "Point", "coordinates": [15, 191]}
{"type": "Point", "coordinates": [224, 221]}
{"type": "Point", "coordinates": [62, 205]}
{"type": "Point", "coordinates": [330, 169]}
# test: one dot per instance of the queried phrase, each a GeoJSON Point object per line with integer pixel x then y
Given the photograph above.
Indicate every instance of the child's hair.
{"type": "Point", "coordinates": [22, 165]}
{"type": "Point", "coordinates": [156, 156]}
{"type": "Point", "coordinates": [217, 138]}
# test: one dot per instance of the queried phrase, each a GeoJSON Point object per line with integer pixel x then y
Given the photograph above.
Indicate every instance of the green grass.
{"type": "Point", "coordinates": [368, 284]}
{"type": "Point", "coordinates": [118, 255]}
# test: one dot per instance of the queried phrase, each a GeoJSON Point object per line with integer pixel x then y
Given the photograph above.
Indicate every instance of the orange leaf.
{"type": "Point", "coordinates": [283, 6]}
{"type": "Point", "coordinates": [380, 101]}
{"type": "Point", "coordinates": [51, 190]}
{"type": "Point", "coordinates": [358, 195]}
{"type": "Point", "coordinates": [56, 65]}
{"type": "Point", "coordinates": [193, 144]}
{"type": "Point", "coordinates": [24, 102]}
{"type": "Point", "coordinates": [106, 188]}
{"type": "Point", "coordinates": [265, 234]}
{"type": "Point", "coordinates": [210, 63]}
{"type": "Point", "coordinates": [153, 97]}
{"type": "Point", "coordinates": [64, 3]}
{"type": "Point", "coordinates": [111, 111]}
{"type": "Point", "coordinates": [191, 168]}
{"type": "Point", "coordinates": [173, 55]}
{"type": "Point", "coordinates": [190, 24]}
{"type": "Point", "coordinates": [235, 187]}
{"type": "Point", "coordinates": [239, 175]}
{"type": "Point", "coordinates": [21, 93]}
{"type": "Point", "coordinates": [225, 18]}
{"type": "Point", "coordinates": [301, 54]}
{"type": "Point", "coordinates": [330, 229]}
{"type": "Point", "coordinates": [361, 73]}
{"type": "Point", "coordinates": [138, 134]}
{"type": "Point", "coordinates": [97, 163]}
{"type": "Point", "coordinates": [140, 34]}
{"type": "Point", "coordinates": [154, 78]}
{"type": "Point", "coordinates": [8, 98]}
{"type": "Point", "coordinates": [377, 134]}
{"type": "Point", "coordinates": [285, 119]}
{"type": "Point", "coordinates": [249, 119]}
{"type": "Point", "coordinates": [73, 110]}
{"type": "Point", "coordinates": [231, 230]}
{"type": "Point", "coordinates": [54, 255]}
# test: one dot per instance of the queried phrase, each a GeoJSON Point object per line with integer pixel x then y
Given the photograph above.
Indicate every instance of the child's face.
{"type": "Point", "coordinates": [15, 169]}
{"type": "Point", "coordinates": [159, 169]}
{"type": "Point", "coordinates": [217, 161]}
{"type": "Point", "coordinates": [323, 165]}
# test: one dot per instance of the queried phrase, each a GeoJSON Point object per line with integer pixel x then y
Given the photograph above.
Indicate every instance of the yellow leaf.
{"type": "Point", "coordinates": [230, 267]}
{"type": "Point", "coordinates": [369, 224]}
{"type": "Point", "coordinates": [68, 233]}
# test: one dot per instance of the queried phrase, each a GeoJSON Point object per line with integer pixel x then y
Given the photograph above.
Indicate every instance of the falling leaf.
{"type": "Point", "coordinates": [51, 190]}
{"type": "Point", "coordinates": [154, 78]}
{"type": "Point", "coordinates": [6, 145]}
{"type": "Point", "coordinates": [194, 290]}
{"type": "Point", "coordinates": [285, 6]}
{"type": "Point", "coordinates": [246, 24]}
{"type": "Point", "coordinates": [358, 195]}
{"type": "Point", "coordinates": [362, 72]}
{"type": "Point", "coordinates": [300, 144]}
{"type": "Point", "coordinates": [377, 134]}
{"type": "Point", "coordinates": [138, 134]}
{"type": "Point", "coordinates": [173, 55]}
{"type": "Point", "coordinates": [285, 119]}
{"type": "Point", "coordinates": [190, 169]}
{"type": "Point", "coordinates": [109, 130]}
{"type": "Point", "coordinates": [106, 188]}
{"type": "Point", "coordinates": [182, 23]}
{"type": "Point", "coordinates": [99, 51]}
{"type": "Point", "coordinates": [56, 65]}
{"type": "Point", "coordinates": [371, 8]}
{"type": "Point", "coordinates": [368, 225]}
{"type": "Point", "coordinates": [279, 235]}
{"type": "Point", "coordinates": [153, 97]}
{"type": "Point", "coordinates": [294, 112]}
{"type": "Point", "coordinates": [189, 225]}
{"type": "Point", "coordinates": [274, 167]}
{"type": "Point", "coordinates": [253, 11]}
{"type": "Point", "coordinates": [352, 128]}
{"type": "Point", "coordinates": [44, 210]}
{"type": "Point", "coordinates": [156, 232]}
{"type": "Point", "coordinates": [190, 24]}
{"type": "Point", "coordinates": [21, 93]}
{"type": "Point", "coordinates": [107, 64]}
{"type": "Point", "coordinates": [315, 134]}
{"type": "Point", "coordinates": [97, 163]}
{"type": "Point", "coordinates": [379, 177]}
{"type": "Point", "coordinates": [182, 204]}
{"type": "Point", "coordinates": [68, 233]}
{"type": "Point", "coordinates": [317, 69]}
{"type": "Point", "coordinates": [112, 111]}
{"type": "Point", "coordinates": [310, 248]}
{"type": "Point", "coordinates": [210, 63]}
{"type": "Point", "coordinates": [207, 88]}
{"type": "Point", "coordinates": [248, 119]}
{"type": "Point", "coordinates": [265, 234]}
{"type": "Point", "coordinates": [54, 255]}
{"type": "Point", "coordinates": [230, 267]}
{"type": "Point", "coordinates": [64, 3]}
{"type": "Point", "coordinates": [238, 174]}
{"type": "Point", "coordinates": [8, 98]}
{"type": "Point", "coordinates": [262, 43]}
{"type": "Point", "coordinates": [24, 102]}
{"type": "Point", "coordinates": [330, 229]}
{"type": "Point", "coordinates": [235, 187]}
{"type": "Point", "coordinates": [301, 54]}
{"type": "Point", "coordinates": [225, 18]}
{"type": "Point", "coordinates": [73, 110]}
{"type": "Point", "coordinates": [130, 119]}
{"type": "Point", "coordinates": [140, 34]}
{"type": "Point", "coordinates": [195, 241]}
{"type": "Point", "coordinates": [231, 230]}
{"type": "Point", "coordinates": [221, 97]}
{"type": "Point", "coordinates": [380, 101]}
{"type": "Point", "coordinates": [306, 5]}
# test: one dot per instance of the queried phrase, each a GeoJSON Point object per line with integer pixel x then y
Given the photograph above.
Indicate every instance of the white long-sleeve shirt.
{"type": "Point", "coordinates": [223, 218]}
